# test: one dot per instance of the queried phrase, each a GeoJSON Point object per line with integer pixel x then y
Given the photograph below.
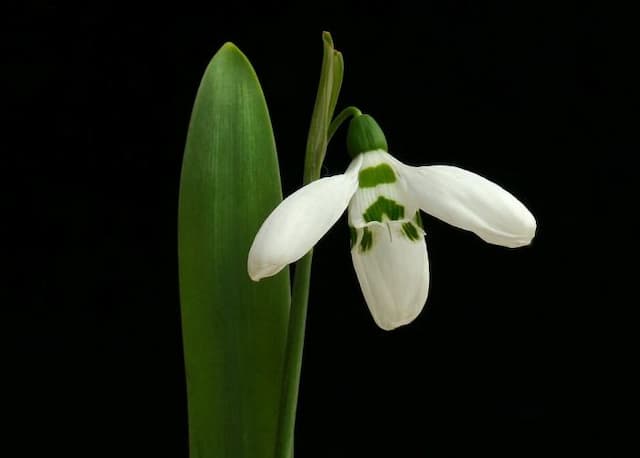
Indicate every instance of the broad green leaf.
{"type": "Point", "coordinates": [234, 330]}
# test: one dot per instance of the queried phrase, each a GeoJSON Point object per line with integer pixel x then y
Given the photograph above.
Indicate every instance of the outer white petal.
{"type": "Point", "coordinates": [469, 201]}
{"type": "Point", "coordinates": [300, 220]}
{"type": "Point", "coordinates": [393, 274]}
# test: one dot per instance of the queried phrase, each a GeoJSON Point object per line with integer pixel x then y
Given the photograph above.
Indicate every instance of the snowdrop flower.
{"type": "Point", "coordinates": [384, 198]}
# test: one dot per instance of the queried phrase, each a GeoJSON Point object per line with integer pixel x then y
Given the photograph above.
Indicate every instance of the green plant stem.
{"type": "Point", "coordinates": [295, 342]}
{"type": "Point", "coordinates": [293, 358]}
{"type": "Point", "coordinates": [328, 91]}
{"type": "Point", "coordinates": [342, 117]}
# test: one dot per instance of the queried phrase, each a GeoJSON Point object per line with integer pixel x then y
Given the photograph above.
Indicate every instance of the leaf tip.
{"type": "Point", "coordinates": [326, 37]}
{"type": "Point", "coordinates": [229, 46]}
{"type": "Point", "coordinates": [231, 49]}
{"type": "Point", "coordinates": [230, 55]}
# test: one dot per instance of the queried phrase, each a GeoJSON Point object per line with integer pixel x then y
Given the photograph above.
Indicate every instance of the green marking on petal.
{"type": "Point", "coordinates": [418, 220]}
{"type": "Point", "coordinates": [410, 231]}
{"type": "Point", "coordinates": [373, 176]}
{"type": "Point", "coordinates": [367, 240]}
{"type": "Point", "coordinates": [381, 207]}
{"type": "Point", "coordinates": [353, 235]}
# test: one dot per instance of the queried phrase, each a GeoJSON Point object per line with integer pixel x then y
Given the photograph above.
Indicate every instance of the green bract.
{"type": "Point", "coordinates": [234, 330]}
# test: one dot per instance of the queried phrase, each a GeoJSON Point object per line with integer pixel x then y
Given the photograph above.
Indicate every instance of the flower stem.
{"type": "Point", "coordinates": [342, 117]}
{"type": "Point", "coordinates": [293, 357]}
{"type": "Point", "coordinates": [317, 140]}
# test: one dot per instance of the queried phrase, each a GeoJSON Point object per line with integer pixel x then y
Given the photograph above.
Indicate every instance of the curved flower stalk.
{"type": "Point", "coordinates": [384, 198]}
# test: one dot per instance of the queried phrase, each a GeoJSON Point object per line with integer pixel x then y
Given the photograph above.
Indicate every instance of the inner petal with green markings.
{"type": "Point", "coordinates": [381, 198]}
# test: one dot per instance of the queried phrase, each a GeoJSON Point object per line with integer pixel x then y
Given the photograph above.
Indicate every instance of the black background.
{"type": "Point", "coordinates": [516, 351]}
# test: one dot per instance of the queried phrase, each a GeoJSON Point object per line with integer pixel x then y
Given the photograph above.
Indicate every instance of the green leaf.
{"type": "Point", "coordinates": [338, 74]}
{"type": "Point", "coordinates": [234, 330]}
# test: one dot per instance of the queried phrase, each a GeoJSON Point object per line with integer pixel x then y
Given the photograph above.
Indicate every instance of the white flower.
{"type": "Point", "coordinates": [384, 198]}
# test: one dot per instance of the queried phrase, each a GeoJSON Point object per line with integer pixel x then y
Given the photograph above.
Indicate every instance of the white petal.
{"type": "Point", "coordinates": [300, 220]}
{"type": "Point", "coordinates": [393, 273]}
{"type": "Point", "coordinates": [469, 201]}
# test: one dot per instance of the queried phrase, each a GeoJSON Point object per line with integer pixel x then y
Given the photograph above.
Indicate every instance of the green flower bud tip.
{"type": "Point", "coordinates": [365, 135]}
